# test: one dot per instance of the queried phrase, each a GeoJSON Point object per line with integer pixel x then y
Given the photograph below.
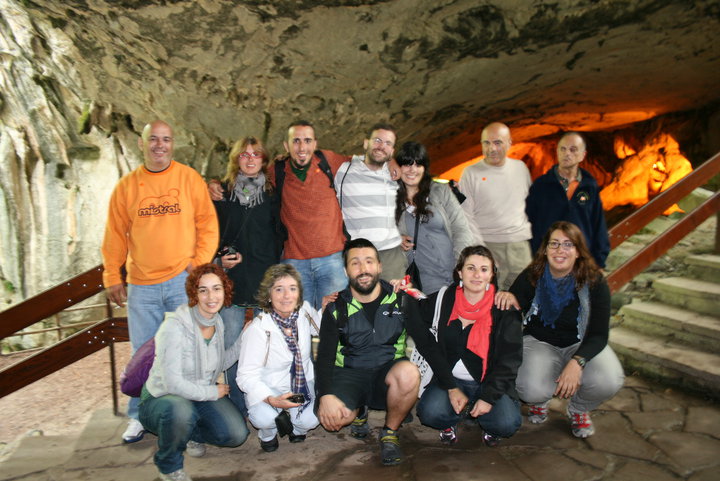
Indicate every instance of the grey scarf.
{"type": "Point", "coordinates": [248, 190]}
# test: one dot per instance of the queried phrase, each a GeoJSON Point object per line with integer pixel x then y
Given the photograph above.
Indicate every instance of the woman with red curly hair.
{"type": "Point", "coordinates": [182, 401]}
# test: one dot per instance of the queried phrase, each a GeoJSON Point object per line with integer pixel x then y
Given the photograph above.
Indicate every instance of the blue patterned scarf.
{"type": "Point", "coordinates": [288, 328]}
{"type": "Point", "coordinates": [553, 295]}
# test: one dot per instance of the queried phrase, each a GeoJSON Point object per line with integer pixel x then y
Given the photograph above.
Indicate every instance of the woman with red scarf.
{"type": "Point", "coordinates": [482, 345]}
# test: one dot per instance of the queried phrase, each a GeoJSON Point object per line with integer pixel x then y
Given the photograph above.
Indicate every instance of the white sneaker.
{"type": "Point", "coordinates": [196, 450]}
{"type": "Point", "coordinates": [178, 475]}
{"type": "Point", "coordinates": [134, 432]}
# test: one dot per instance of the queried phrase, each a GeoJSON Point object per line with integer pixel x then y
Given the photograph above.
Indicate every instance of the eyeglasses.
{"type": "Point", "coordinates": [379, 141]}
{"type": "Point", "coordinates": [567, 245]}
{"type": "Point", "coordinates": [254, 155]}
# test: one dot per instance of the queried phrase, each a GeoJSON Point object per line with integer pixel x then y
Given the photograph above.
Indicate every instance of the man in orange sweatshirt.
{"type": "Point", "coordinates": [161, 224]}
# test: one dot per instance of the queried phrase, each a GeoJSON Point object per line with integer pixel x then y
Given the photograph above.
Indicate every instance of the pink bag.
{"type": "Point", "coordinates": [138, 369]}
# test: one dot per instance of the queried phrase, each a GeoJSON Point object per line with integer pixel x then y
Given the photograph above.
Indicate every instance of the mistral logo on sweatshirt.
{"type": "Point", "coordinates": [168, 204]}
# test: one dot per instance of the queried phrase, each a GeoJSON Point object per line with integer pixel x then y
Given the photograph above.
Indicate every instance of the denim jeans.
{"type": "Point", "coordinates": [542, 363]}
{"type": "Point", "coordinates": [320, 276]}
{"type": "Point", "coordinates": [146, 308]}
{"type": "Point", "coordinates": [176, 420]}
{"type": "Point", "coordinates": [434, 410]}
{"type": "Point", "coordinates": [234, 321]}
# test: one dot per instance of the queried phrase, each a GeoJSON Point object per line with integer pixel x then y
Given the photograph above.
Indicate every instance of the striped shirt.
{"type": "Point", "coordinates": [367, 198]}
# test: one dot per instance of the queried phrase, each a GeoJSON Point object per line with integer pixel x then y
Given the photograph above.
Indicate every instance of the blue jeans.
{"type": "Point", "coordinates": [176, 420]}
{"type": "Point", "coordinates": [434, 410]}
{"type": "Point", "coordinates": [146, 308]}
{"type": "Point", "coordinates": [320, 276]}
{"type": "Point", "coordinates": [234, 320]}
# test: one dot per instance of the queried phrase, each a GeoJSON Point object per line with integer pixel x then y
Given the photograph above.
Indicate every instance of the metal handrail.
{"type": "Point", "coordinates": [645, 214]}
{"type": "Point", "coordinates": [104, 333]}
{"type": "Point", "coordinates": [641, 217]}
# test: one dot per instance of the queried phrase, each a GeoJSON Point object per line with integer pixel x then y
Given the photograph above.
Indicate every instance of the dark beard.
{"type": "Point", "coordinates": [364, 290]}
{"type": "Point", "coordinates": [371, 160]}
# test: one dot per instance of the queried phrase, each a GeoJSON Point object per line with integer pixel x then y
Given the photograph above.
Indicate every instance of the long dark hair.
{"type": "Point", "coordinates": [585, 270]}
{"type": "Point", "coordinates": [414, 153]}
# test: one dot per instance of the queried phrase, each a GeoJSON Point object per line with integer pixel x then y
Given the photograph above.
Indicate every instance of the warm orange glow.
{"type": "Point", "coordinates": [643, 175]}
{"type": "Point", "coordinates": [643, 171]}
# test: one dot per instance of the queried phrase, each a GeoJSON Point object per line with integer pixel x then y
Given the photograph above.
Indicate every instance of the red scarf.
{"type": "Point", "coordinates": [479, 338]}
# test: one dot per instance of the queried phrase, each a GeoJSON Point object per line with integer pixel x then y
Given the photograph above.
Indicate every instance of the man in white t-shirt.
{"type": "Point", "coordinates": [496, 188]}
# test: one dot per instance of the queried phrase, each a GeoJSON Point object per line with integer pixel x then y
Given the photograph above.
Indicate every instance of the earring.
{"type": "Point", "coordinates": [461, 283]}
{"type": "Point", "coordinates": [487, 286]}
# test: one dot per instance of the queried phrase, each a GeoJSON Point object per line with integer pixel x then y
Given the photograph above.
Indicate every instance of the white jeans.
{"type": "Point", "coordinates": [262, 416]}
{"type": "Point", "coordinates": [542, 363]}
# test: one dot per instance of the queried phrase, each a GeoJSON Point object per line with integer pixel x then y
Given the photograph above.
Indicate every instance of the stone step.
{"type": "Point", "coordinates": [667, 361]}
{"type": "Point", "coordinates": [34, 454]}
{"type": "Point", "coordinates": [699, 296]}
{"type": "Point", "coordinates": [674, 324]}
{"type": "Point", "coordinates": [705, 267]}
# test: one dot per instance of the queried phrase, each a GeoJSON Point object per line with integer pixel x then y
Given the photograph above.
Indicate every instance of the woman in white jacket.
{"type": "Point", "coordinates": [275, 362]}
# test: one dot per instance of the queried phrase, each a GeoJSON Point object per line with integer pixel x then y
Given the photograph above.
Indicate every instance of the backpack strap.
{"type": "Point", "coordinates": [342, 312]}
{"type": "Point", "coordinates": [279, 176]}
{"type": "Point", "coordinates": [325, 167]}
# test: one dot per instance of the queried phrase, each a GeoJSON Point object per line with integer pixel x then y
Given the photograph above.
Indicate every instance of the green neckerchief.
{"type": "Point", "coordinates": [300, 172]}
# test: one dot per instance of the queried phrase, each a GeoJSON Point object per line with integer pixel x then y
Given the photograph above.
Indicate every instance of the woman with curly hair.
{"type": "Point", "coordinates": [275, 369]}
{"type": "Point", "coordinates": [443, 230]}
{"type": "Point", "coordinates": [566, 304]}
{"type": "Point", "coordinates": [182, 401]}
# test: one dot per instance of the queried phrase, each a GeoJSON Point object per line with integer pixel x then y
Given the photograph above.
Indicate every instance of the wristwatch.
{"type": "Point", "coordinates": [580, 360]}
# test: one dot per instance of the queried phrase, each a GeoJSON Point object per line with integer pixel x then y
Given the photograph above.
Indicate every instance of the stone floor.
{"type": "Point", "coordinates": [647, 432]}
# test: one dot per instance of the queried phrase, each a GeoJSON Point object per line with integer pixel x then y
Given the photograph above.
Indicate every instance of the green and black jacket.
{"type": "Point", "coordinates": [353, 342]}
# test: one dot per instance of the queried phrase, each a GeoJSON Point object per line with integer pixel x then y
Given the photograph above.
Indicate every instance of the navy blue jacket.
{"type": "Point", "coordinates": [547, 202]}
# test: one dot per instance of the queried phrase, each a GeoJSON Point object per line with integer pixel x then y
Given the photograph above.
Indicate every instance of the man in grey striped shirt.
{"type": "Point", "coordinates": [366, 193]}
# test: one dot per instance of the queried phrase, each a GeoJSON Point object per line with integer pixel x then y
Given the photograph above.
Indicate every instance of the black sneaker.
{"type": "Point", "coordinates": [270, 446]}
{"type": "Point", "coordinates": [296, 438]}
{"type": "Point", "coordinates": [359, 427]}
{"type": "Point", "coordinates": [390, 452]}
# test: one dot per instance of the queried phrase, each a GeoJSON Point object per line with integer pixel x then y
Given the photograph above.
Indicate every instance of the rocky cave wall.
{"type": "Point", "coordinates": [80, 78]}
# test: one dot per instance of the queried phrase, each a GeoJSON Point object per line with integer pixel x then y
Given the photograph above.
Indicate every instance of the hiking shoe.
{"type": "Point", "coordinates": [448, 436]}
{"type": "Point", "coordinates": [490, 440]}
{"type": "Point", "coordinates": [178, 475]}
{"type": "Point", "coordinates": [134, 432]}
{"type": "Point", "coordinates": [582, 425]}
{"type": "Point", "coordinates": [390, 452]}
{"type": "Point", "coordinates": [359, 427]}
{"type": "Point", "coordinates": [196, 450]}
{"type": "Point", "coordinates": [270, 446]}
{"type": "Point", "coordinates": [296, 438]}
{"type": "Point", "coordinates": [537, 413]}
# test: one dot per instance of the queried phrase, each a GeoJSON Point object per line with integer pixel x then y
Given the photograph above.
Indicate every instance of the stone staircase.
{"type": "Point", "coordinates": [675, 338]}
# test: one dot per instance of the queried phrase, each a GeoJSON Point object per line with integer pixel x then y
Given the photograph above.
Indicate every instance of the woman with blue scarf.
{"type": "Point", "coordinates": [275, 369]}
{"type": "Point", "coordinates": [565, 302]}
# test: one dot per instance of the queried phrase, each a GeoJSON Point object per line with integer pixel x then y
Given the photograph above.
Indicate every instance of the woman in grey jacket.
{"type": "Point", "coordinates": [182, 401]}
{"type": "Point", "coordinates": [443, 231]}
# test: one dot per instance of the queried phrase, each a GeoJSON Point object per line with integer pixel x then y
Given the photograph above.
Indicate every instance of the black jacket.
{"type": "Point", "coordinates": [254, 232]}
{"type": "Point", "coordinates": [505, 352]}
